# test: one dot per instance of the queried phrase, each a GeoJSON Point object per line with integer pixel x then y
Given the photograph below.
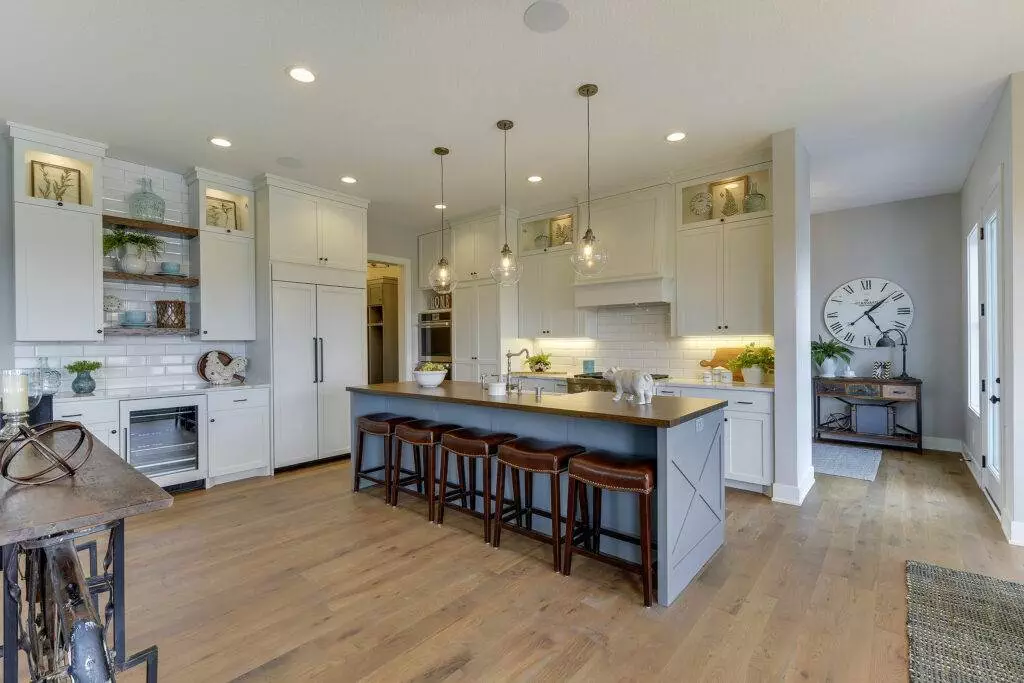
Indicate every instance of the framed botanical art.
{"type": "Point", "coordinates": [561, 230]}
{"type": "Point", "coordinates": [59, 183]}
{"type": "Point", "coordinates": [727, 196]}
{"type": "Point", "coordinates": [221, 213]}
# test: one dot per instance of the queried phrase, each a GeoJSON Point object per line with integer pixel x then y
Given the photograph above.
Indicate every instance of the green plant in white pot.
{"type": "Point", "coordinates": [131, 249]}
{"type": "Point", "coordinates": [827, 354]}
{"type": "Point", "coordinates": [754, 362]}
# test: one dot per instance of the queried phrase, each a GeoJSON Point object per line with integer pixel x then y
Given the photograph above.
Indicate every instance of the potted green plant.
{"type": "Point", "coordinates": [540, 362]}
{"type": "Point", "coordinates": [84, 383]}
{"type": "Point", "coordinates": [754, 362]}
{"type": "Point", "coordinates": [429, 375]}
{"type": "Point", "coordinates": [825, 354]}
{"type": "Point", "coordinates": [131, 249]}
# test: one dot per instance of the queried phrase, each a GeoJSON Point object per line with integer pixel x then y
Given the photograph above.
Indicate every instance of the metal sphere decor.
{"type": "Point", "coordinates": [29, 441]}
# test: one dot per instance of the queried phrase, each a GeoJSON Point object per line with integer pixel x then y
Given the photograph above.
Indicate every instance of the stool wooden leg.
{"type": "Point", "coordinates": [516, 498]}
{"type": "Point", "coordinates": [596, 533]}
{"type": "Point", "coordinates": [396, 467]}
{"type": "Point", "coordinates": [500, 488]}
{"type": "Point", "coordinates": [444, 485]}
{"type": "Point", "coordinates": [570, 523]}
{"type": "Point", "coordinates": [417, 465]}
{"type": "Point", "coordinates": [556, 520]}
{"type": "Point", "coordinates": [584, 514]}
{"type": "Point", "coordinates": [387, 469]}
{"type": "Point", "coordinates": [431, 480]}
{"type": "Point", "coordinates": [472, 483]}
{"type": "Point", "coordinates": [487, 499]}
{"type": "Point", "coordinates": [528, 482]}
{"type": "Point", "coordinates": [357, 466]}
{"type": "Point", "coordinates": [645, 546]}
{"type": "Point", "coordinates": [459, 465]}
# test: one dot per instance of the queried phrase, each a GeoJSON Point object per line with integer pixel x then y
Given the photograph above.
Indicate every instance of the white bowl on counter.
{"type": "Point", "coordinates": [429, 379]}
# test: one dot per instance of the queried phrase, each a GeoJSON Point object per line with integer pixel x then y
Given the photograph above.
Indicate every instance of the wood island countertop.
{"type": "Point", "coordinates": [663, 412]}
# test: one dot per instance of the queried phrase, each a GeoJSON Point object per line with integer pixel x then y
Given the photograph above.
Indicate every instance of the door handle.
{"type": "Point", "coordinates": [993, 399]}
{"type": "Point", "coordinates": [316, 365]}
{"type": "Point", "coordinates": [321, 359]}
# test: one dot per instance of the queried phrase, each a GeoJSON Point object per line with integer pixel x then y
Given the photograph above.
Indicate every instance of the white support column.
{"type": "Point", "coordinates": [791, 225]}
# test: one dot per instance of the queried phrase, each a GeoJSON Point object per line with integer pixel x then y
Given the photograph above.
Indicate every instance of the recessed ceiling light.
{"type": "Point", "coordinates": [545, 16]}
{"type": "Point", "coordinates": [535, 179]}
{"type": "Point", "coordinates": [220, 142]}
{"type": "Point", "coordinates": [348, 179]}
{"type": "Point", "coordinates": [440, 206]}
{"type": "Point", "coordinates": [676, 136]}
{"type": "Point", "coordinates": [302, 74]}
{"type": "Point", "coordinates": [290, 162]}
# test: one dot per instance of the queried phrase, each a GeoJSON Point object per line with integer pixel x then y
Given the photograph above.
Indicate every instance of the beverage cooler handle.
{"type": "Point", "coordinates": [124, 450]}
{"type": "Point", "coordinates": [321, 359]}
{"type": "Point", "coordinates": [316, 370]}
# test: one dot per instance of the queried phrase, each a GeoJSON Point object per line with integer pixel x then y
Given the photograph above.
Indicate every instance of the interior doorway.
{"type": "Point", "coordinates": [388, 319]}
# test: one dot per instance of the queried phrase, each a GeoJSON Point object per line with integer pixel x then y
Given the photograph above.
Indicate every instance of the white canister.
{"type": "Point", "coordinates": [725, 375]}
{"type": "Point", "coordinates": [708, 377]}
{"type": "Point", "coordinates": [496, 389]}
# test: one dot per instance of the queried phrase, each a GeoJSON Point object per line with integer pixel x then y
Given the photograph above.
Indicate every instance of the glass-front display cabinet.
{"type": "Point", "coordinates": [738, 195]}
{"type": "Point", "coordinates": [549, 231]}
{"type": "Point", "coordinates": [57, 171]}
{"type": "Point", "coordinates": [221, 203]}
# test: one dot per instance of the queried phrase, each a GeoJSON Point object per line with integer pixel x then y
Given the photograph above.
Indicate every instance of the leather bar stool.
{"type": "Point", "coordinates": [606, 471]}
{"type": "Point", "coordinates": [424, 436]}
{"type": "Point", "coordinates": [469, 445]}
{"type": "Point", "coordinates": [529, 457]}
{"type": "Point", "coordinates": [376, 424]}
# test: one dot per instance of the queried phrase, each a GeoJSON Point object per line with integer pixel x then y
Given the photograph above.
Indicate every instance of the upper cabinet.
{"type": "Point", "coordinates": [428, 251]}
{"type": "Point", "coordinates": [547, 232]}
{"type": "Point", "coordinates": [636, 230]}
{"type": "Point", "coordinates": [738, 195]}
{"type": "Point", "coordinates": [546, 302]}
{"type": "Point", "coordinates": [724, 282]}
{"type": "Point", "coordinates": [227, 291]}
{"type": "Point", "coordinates": [221, 203]}
{"type": "Point", "coordinates": [56, 171]}
{"type": "Point", "coordinates": [310, 226]}
{"type": "Point", "coordinates": [476, 242]}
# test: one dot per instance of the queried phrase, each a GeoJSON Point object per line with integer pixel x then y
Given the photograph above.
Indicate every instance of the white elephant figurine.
{"type": "Point", "coordinates": [639, 384]}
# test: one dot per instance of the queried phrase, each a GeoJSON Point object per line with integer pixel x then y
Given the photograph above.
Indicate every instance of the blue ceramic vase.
{"type": "Point", "coordinates": [146, 204]}
{"type": "Point", "coordinates": [83, 383]}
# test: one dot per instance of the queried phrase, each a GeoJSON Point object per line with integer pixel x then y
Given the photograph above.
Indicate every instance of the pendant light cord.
{"type": "Point", "coordinates": [441, 156]}
{"type": "Point", "coordinates": [588, 164]}
{"type": "Point", "coordinates": [505, 188]}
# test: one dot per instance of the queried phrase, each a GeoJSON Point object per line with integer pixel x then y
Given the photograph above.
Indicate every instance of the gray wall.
{"type": "Point", "coordinates": [917, 244]}
{"type": "Point", "coordinates": [6, 257]}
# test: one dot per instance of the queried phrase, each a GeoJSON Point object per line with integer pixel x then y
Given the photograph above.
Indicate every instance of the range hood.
{"type": "Point", "coordinates": [651, 290]}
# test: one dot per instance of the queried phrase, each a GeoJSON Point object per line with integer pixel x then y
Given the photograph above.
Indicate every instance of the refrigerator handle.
{"type": "Point", "coordinates": [321, 359]}
{"type": "Point", "coordinates": [316, 368]}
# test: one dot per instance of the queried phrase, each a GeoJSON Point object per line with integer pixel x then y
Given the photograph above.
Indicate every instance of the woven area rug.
{"type": "Point", "coordinates": [963, 627]}
{"type": "Point", "coordinates": [846, 461]}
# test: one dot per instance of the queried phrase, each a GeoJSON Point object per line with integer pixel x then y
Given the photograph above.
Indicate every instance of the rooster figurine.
{"type": "Point", "coordinates": [218, 373]}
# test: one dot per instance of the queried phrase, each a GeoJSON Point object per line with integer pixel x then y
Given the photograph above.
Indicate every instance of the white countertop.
{"type": "Point", "coordinates": [151, 392]}
{"type": "Point", "coordinates": [724, 386]}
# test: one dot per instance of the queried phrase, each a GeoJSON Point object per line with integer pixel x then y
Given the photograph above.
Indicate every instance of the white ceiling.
{"type": "Point", "coordinates": [892, 97]}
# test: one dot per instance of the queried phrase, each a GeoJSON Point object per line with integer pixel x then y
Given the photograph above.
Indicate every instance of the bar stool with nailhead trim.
{"type": "Point", "coordinates": [469, 445]}
{"type": "Point", "coordinates": [375, 424]}
{"type": "Point", "coordinates": [424, 436]}
{"type": "Point", "coordinates": [529, 457]}
{"type": "Point", "coordinates": [606, 471]}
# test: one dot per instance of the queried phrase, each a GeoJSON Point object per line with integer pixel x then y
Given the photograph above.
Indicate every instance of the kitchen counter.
{"type": "Point", "coordinates": [663, 411]}
{"type": "Point", "coordinates": [152, 392]}
{"type": "Point", "coordinates": [683, 436]}
{"type": "Point", "coordinates": [541, 375]}
{"type": "Point", "coordinates": [700, 384]}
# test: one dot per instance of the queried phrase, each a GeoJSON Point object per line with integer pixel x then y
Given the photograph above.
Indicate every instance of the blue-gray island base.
{"type": "Point", "coordinates": [684, 435]}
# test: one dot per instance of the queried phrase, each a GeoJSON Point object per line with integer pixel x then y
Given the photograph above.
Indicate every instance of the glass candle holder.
{"type": "Point", "coordinates": [20, 391]}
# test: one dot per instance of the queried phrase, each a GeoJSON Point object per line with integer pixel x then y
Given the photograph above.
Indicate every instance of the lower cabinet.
{"type": "Point", "coordinates": [238, 435]}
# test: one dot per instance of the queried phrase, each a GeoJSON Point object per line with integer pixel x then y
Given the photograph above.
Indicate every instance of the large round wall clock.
{"type": "Point", "coordinates": [858, 312]}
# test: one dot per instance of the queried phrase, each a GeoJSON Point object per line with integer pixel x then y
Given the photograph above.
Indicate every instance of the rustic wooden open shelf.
{"type": "Point", "coordinates": [111, 221]}
{"type": "Point", "coordinates": [178, 280]}
{"type": "Point", "coordinates": [151, 331]}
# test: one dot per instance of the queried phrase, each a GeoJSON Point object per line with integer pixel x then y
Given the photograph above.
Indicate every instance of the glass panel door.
{"type": "Point", "coordinates": [991, 396]}
{"type": "Point", "coordinates": [164, 441]}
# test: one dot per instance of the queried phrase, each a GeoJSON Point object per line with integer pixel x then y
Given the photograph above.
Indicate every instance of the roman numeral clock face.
{"type": "Point", "coordinates": [858, 312]}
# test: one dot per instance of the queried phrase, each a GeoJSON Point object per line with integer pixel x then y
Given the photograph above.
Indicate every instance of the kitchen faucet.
{"type": "Point", "coordinates": [508, 365]}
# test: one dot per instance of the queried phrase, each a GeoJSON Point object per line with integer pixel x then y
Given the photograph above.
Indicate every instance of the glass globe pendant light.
{"type": "Point", "coordinates": [441, 276]}
{"type": "Point", "coordinates": [505, 268]}
{"type": "Point", "coordinates": [589, 256]}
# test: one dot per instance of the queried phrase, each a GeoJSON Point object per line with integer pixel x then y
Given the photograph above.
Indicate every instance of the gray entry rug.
{"type": "Point", "coordinates": [963, 627]}
{"type": "Point", "coordinates": [846, 461]}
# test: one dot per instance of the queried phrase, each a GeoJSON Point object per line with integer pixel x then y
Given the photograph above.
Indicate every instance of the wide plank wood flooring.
{"type": "Point", "coordinates": [297, 579]}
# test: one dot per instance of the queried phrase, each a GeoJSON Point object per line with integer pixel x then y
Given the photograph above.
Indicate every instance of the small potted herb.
{"type": "Point", "coordinates": [84, 383]}
{"type": "Point", "coordinates": [540, 362]}
{"type": "Point", "coordinates": [754, 362]}
{"type": "Point", "coordinates": [131, 249]}
{"type": "Point", "coordinates": [825, 354]}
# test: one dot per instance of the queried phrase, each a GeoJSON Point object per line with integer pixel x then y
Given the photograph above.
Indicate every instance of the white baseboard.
{"type": "Point", "coordinates": [941, 443]}
{"type": "Point", "coordinates": [793, 495]}
{"type": "Point", "coordinates": [1014, 533]}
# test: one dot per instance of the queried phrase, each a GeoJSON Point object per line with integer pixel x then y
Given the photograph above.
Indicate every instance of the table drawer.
{"type": "Point", "coordinates": [903, 391]}
{"type": "Point", "coordinates": [87, 411]}
{"type": "Point", "coordinates": [237, 398]}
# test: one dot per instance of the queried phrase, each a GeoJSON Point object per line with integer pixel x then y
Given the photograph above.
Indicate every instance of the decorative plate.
{"type": "Point", "coordinates": [700, 205]}
{"type": "Point", "coordinates": [228, 365]}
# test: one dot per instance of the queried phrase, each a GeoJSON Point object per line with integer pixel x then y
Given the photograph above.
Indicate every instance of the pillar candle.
{"type": "Point", "coordinates": [14, 393]}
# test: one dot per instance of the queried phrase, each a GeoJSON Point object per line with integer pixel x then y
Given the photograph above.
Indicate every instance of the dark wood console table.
{"type": "Point", "coordinates": [869, 391]}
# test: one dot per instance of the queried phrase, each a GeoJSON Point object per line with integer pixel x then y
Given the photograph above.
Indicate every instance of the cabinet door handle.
{"type": "Point", "coordinates": [240, 400]}
{"type": "Point", "coordinates": [64, 417]}
{"type": "Point", "coordinates": [213, 419]}
{"type": "Point", "coordinates": [316, 364]}
{"type": "Point", "coordinates": [113, 431]}
{"type": "Point", "coordinates": [726, 327]}
{"type": "Point", "coordinates": [745, 403]}
{"type": "Point", "coordinates": [99, 331]}
{"type": "Point", "coordinates": [322, 357]}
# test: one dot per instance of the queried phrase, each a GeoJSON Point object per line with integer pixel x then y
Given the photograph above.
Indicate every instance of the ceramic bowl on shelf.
{"type": "Point", "coordinates": [170, 267]}
{"type": "Point", "coordinates": [429, 379]}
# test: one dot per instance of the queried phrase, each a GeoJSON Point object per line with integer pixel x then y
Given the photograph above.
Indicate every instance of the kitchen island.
{"type": "Point", "coordinates": [684, 435]}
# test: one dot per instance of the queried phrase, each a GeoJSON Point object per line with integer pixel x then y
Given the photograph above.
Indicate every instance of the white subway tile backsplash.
{"type": "Point", "coordinates": [59, 350]}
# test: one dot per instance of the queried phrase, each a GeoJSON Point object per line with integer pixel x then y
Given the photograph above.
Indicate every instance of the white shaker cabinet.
{"type": "Point", "coordinates": [724, 279]}
{"type": "Point", "coordinates": [636, 230]}
{"type": "Point", "coordinates": [341, 231]}
{"type": "Point", "coordinates": [477, 241]}
{"type": "Point", "coordinates": [476, 332]}
{"type": "Point", "coordinates": [547, 305]}
{"type": "Point", "coordinates": [238, 434]}
{"type": "Point", "coordinates": [58, 274]}
{"type": "Point", "coordinates": [293, 221]}
{"type": "Point", "coordinates": [227, 295]}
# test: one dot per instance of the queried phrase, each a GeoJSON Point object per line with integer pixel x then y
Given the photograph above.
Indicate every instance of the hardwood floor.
{"type": "Point", "coordinates": [296, 578]}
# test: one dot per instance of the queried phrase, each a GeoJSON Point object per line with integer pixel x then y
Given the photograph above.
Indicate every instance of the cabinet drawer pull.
{"type": "Point", "coordinates": [239, 400]}
{"type": "Point", "coordinates": [745, 403]}
{"type": "Point", "coordinates": [71, 415]}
